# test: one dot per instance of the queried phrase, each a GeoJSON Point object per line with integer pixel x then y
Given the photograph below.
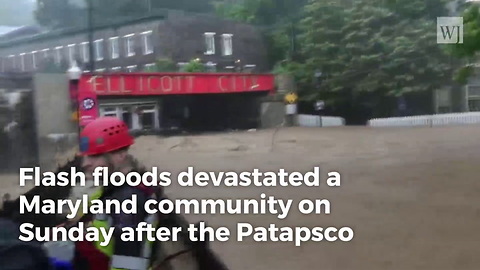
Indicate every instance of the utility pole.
{"type": "Point", "coordinates": [91, 59]}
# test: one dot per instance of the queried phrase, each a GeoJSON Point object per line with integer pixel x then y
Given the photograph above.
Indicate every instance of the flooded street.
{"type": "Point", "coordinates": [411, 195]}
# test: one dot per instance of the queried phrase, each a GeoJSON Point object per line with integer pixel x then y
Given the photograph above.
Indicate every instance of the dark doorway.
{"type": "Point", "coordinates": [127, 116]}
{"type": "Point", "coordinates": [212, 112]}
{"type": "Point", "coordinates": [146, 120]}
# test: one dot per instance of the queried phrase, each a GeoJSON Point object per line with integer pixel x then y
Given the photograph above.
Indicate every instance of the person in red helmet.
{"type": "Point", "coordinates": [105, 143]}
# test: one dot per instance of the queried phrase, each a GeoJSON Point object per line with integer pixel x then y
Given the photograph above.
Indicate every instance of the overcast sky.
{"type": "Point", "coordinates": [16, 12]}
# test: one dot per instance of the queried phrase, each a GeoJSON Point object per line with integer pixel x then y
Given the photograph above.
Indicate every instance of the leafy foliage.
{"type": "Point", "coordinates": [371, 51]}
{"type": "Point", "coordinates": [418, 9]}
{"type": "Point", "coordinates": [56, 13]}
{"type": "Point", "coordinates": [471, 36]}
{"type": "Point", "coordinates": [194, 66]}
{"type": "Point", "coordinates": [235, 11]}
{"type": "Point", "coordinates": [463, 74]}
{"type": "Point", "coordinates": [467, 52]}
{"type": "Point", "coordinates": [163, 65]}
{"type": "Point", "coordinates": [259, 12]}
{"type": "Point", "coordinates": [276, 17]}
{"type": "Point", "coordinates": [363, 48]}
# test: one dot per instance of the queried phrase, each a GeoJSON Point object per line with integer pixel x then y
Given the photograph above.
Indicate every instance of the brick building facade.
{"type": "Point", "coordinates": [132, 45]}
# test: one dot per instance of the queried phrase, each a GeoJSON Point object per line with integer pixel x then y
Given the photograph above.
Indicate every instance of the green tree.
{"type": "Point", "coordinates": [417, 9]}
{"type": "Point", "coordinates": [367, 50]}
{"type": "Point", "coordinates": [201, 6]}
{"type": "Point", "coordinates": [259, 12]}
{"type": "Point", "coordinates": [163, 65]}
{"type": "Point", "coordinates": [277, 19]}
{"type": "Point", "coordinates": [56, 13]}
{"type": "Point", "coordinates": [194, 66]}
{"type": "Point", "coordinates": [236, 11]}
{"type": "Point", "coordinates": [467, 52]}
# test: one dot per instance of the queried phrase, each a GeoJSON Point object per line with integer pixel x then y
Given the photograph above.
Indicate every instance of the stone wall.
{"type": "Point", "coordinates": [272, 113]}
{"type": "Point", "coordinates": [56, 133]}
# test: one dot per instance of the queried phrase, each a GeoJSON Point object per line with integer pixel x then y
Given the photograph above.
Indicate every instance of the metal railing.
{"type": "Point", "coordinates": [427, 120]}
{"type": "Point", "coordinates": [306, 120]}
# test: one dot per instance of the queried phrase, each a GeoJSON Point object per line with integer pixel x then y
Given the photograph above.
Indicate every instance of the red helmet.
{"type": "Point", "coordinates": [103, 135]}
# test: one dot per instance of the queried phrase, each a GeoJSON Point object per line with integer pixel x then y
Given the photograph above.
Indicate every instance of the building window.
{"type": "Point", "coordinates": [132, 68]}
{"type": "Point", "coordinates": [34, 61]}
{"type": "Point", "coordinates": [116, 69]}
{"type": "Point", "coordinates": [210, 43]}
{"type": "Point", "coordinates": [45, 53]}
{"type": "Point", "coordinates": [71, 52]}
{"type": "Point", "coordinates": [58, 54]}
{"type": "Point", "coordinates": [227, 44]}
{"type": "Point", "coordinates": [85, 51]}
{"type": "Point", "coordinates": [99, 49]}
{"type": "Point", "coordinates": [141, 116]}
{"type": "Point", "coordinates": [147, 42]}
{"type": "Point", "coordinates": [181, 66]}
{"type": "Point", "coordinates": [130, 44]}
{"type": "Point", "coordinates": [211, 67]}
{"type": "Point", "coordinates": [149, 66]}
{"type": "Point", "coordinates": [146, 117]}
{"type": "Point", "coordinates": [473, 98]}
{"type": "Point", "coordinates": [114, 47]}
{"type": "Point", "coordinates": [249, 68]}
{"type": "Point", "coordinates": [109, 111]}
{"type": "Point", "coordinates": [22, 61]}
{"type": "Point", "coordinates": [12, 61]}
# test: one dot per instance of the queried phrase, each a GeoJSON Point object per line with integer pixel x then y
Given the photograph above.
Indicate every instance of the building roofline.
{"type": "Point", "coordinates": [11, 29]}
{"type": "Point", "coordinates": [158, 14]}
{"type": "Point", "coordinates": [80, 29]}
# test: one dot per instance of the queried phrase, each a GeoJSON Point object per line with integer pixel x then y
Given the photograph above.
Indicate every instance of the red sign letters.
{"type": "Point", "coordinates": [175, 83]}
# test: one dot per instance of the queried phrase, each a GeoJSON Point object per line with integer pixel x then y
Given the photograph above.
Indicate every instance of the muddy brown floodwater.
{"type": "Point", "coordinates": [412, 195]}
